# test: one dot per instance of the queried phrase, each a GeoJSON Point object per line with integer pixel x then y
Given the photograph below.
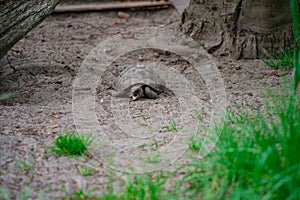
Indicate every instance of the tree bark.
{"type": "Point", "coordinates": [18, 17]}
{"type": "Point", "coordinates": [239, 28]}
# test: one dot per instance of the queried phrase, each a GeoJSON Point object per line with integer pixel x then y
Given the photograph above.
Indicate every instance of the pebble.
{"type": "Point", "coordinates": [123, 15]}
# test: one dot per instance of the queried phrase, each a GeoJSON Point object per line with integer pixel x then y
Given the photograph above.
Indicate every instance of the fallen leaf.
{"type": "Point", "coordinates": [123, 15]}
{"type": "Point", "coordinates": [118, 22]}
{"type": "Point", "coordinates": [53, 126]}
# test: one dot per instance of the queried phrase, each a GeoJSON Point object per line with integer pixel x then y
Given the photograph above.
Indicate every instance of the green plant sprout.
{"type": "Point", "coordinates": [196, 116]}
{"type": "Point", "coordinates": [84, 170]}
{"type": "Point", "coordinates": [22, 164]}
{"type": "Point", "coordinates": [71, 144]}
{"type": "Point", "coordinates": [236, 117]}
{"type": "Point", "coordinates": [81, 194]}
{"type": "Point", "coordinates": [153, 154]}
{"type": "Point", "coordinates": [195, 141]}
{"type": "Point", "coordinates": [171, 127]}
{"type": "Point", "coordinates": [146, 123]}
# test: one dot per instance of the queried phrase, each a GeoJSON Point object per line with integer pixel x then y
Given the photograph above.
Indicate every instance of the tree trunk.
{"type": "Point", "coordinates": [18, 17]}
{"type": "Point", "coordinates": [239, 28]}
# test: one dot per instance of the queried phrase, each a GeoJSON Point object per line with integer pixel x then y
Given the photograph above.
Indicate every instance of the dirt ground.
{"type": "Point", "coordinates": [40, 70]}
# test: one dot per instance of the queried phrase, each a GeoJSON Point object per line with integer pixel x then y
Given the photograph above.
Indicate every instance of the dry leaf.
{"type": "Point", "coordinates": [53, 126]}
{"type": "Point", "coordinates": [123, 15]}
{"type": "Point", "coordinates": [118, 22]}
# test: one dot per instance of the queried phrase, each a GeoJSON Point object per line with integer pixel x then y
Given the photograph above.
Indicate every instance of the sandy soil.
{"type": "Point", "coordinates": [40, 70]}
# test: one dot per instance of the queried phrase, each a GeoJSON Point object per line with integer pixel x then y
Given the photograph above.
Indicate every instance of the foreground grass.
{"type": "Point", "coordinates": [139, 187]}
{"type": "Point", "coordinates": [256, 157]}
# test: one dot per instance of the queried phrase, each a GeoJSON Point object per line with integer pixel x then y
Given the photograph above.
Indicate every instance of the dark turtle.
{"type": "Point", "coordinates": [138, 81]}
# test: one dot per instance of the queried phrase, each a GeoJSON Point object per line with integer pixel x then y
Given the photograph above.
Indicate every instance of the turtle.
{"type": "Point", "coordinates": [138, 81]}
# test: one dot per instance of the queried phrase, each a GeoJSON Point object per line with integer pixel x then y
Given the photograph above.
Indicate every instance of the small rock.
{"type": "Point", "coordinates": [238, 67]}
{"type": "Point", "coordinates": [250, 94]}
{"type": "Point", "coordinates": [119, 22]}
{"type": "Point", "coordinates": [183, 67]}
{"type": "Point", "coordinates": [123, 15]}
{"type": "Point", "coordinates": [141, 58]}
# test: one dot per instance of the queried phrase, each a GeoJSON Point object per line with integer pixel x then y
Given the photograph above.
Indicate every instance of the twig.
{"type": "Point", "coordinates": [109, 6]}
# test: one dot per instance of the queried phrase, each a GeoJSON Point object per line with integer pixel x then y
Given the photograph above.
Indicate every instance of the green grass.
{"type": "Point", "coordinates": [195, 143]}
{"type": "Point", "coordinates": [5, 196]}
{"type": "Point", "coordinates": [23, 165]}
{"type": "Point", "coordinates": [146, 123]}
{"type": "Point", "coordinates": [139, 187]}
{"type": "Point", "coordinates": [84, 170]}
{"type": "Point", "coordinates": [153, 156]}
{"type": "Point", "coordinates": [284, 59]}
{"type": "Point", "coordinates": [171, 127]}
{"type": "Point", "coordinates": [81, 194]}
{"type": "Point", "coordinates": [196, 116]}
{"type": "Point", "coordinates": [146, 187]}
{"type": "Point", "coordinates": [71, 144]}
{"type": "Point", "coordinates": [256, 157]}
{"type": "Point", "coordinates": [295, 14]}
{"type": "Point", "coordinates": [152, 152]}
{"type": "Point", "coordinates": [7, 96]}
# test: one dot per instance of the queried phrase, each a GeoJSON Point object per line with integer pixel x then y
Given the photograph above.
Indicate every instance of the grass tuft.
{"type": "Point", "coordinates": [71, 144]}
{"type": "Point", "coordinates": [195, 141]}
{"type": "Point", "coordinates": [284, 59]}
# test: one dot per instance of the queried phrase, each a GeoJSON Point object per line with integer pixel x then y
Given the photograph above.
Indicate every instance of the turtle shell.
{"type": "Point", "coordinates": [139, 74]}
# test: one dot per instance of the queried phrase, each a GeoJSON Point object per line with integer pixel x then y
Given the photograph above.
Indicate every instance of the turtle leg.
{"type": "Point", "coordinates": [149, 93]}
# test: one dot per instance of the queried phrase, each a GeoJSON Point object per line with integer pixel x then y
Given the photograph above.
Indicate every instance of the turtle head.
{"type": "Point", "coordinates": [137, 92]}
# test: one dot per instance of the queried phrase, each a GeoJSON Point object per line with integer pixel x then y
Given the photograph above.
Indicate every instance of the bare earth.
{"type": "Point", "coordinates": [41, 69]}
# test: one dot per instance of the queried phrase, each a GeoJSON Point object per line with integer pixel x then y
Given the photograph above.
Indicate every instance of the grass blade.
{"type": "Point", "coordinates": [295, 14]}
